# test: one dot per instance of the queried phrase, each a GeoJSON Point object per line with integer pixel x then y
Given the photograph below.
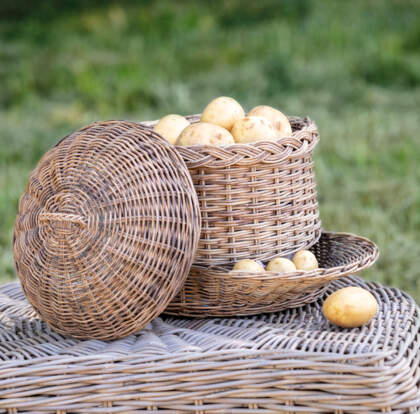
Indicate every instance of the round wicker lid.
{"type": "Point", "coordinates": [106, 230]}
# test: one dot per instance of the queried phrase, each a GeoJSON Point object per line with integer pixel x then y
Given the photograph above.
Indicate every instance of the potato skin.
{"type": "Point", "coordinates": [203, 133]}
{"type": "Point", "coordinates": [253, 129]}
{"type": "Point", "coordinates": [222, 111]}
{"type": "Point", "coordinates": [279, 121]}
{"type": "Point", "coordinates": [171, 126]}
{"type": "Point", "coordinates": [305, 260]}
{"type": "Point", "coordinates": [350, 307]}
{"type": "Point", "coordinates": [281, 265]}
{"type": "Point", "coordinates": [248, 265]}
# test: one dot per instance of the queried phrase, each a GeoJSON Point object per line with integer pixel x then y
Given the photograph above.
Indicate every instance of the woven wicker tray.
{"type": "Point", "coordinates": [287, 362]}
{"type": "Point", "coordinates": [216, 292]}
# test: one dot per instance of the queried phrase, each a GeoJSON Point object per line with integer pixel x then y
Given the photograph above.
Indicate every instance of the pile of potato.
{"type": "Point", "coordinates": [223, 122]}
{"type": "Point", "coordinates": [302, 260]}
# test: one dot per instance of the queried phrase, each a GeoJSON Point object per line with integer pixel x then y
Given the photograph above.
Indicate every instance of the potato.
{"type": "Point", "coordinates": [305, 260]}
{"type": "Point", "coordinates": [170, 126]}
{"type": "Point", "coordinates": [203, 133]}
{"type": "Point", "coordinates": [222, 111]}
{"type": "Point", "coordinates": [281, 265]}
{"type": "Point", "coordinates": [350, 307]}
{"type": "Point", "coordinates": [248, 265]}
{"type": "Point", "coordinates": [253, 129]}
{"type": "Point", "coordinates": [279, 121]}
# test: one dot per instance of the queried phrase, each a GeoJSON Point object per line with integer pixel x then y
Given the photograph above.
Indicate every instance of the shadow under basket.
{"type": "Point", "coordinates": [214, 291]}
{"type": "Point", "coordinates": [256, 200]}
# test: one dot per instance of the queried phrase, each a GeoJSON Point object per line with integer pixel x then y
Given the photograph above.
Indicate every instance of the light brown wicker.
{"type": "Point", "coordinates": [257, 200]}
{"type": "Point", "coordinates": [216, 292]}
{"type": "Point", "coordinates": [106, 230]}
{"type": "Point", "coordinates": [287, 362]}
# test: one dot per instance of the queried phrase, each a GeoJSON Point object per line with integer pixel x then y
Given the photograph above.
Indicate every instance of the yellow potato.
{"type": "Point", "coordinates": [170, 126]}
{"type": "Point", "coordinates": [248, 265]}
{"type": "Point", "coordinates": [253, 129]}
{"type": "Point", "coordinates": [279, 121]}
{"type": "Point", "coordinates": [223, 111]}
{"type": "Point", "coordinates": [281, 265]}
{"type": "Point", "coordinates": [350, 307]}
{"type": "Point", "coordinates": [305, 260]}
{"type": "Point", "coordinates": [203, 133]}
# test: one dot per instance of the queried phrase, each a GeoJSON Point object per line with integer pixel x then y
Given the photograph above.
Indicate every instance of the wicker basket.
{"type": "Point", "coordinates": [216, 292]}
{"type": "Point", "coordinates": [106, 230]}
{"type": "Point", "coordinates": [287, 362]}
{"type": "Point", "coordinates": [256, 200]}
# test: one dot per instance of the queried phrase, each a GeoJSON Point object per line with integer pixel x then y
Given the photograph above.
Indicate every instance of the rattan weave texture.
{"type": "Point", "coordinates": [216, 292]}
{"type": "Point", "coordinates": [286, 362]}
{"type": "Point", "coordinates": [256, 200]}
{"type": "Point", "coordinates": [106, 230]}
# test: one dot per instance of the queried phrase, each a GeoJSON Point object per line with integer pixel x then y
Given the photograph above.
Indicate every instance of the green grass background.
{"type": "Point", "coordinates": [354, 67]}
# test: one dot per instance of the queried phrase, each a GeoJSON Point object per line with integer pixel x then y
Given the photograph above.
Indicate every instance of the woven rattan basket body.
{"type": "Point", "coordinates": [256, 200]}
{"type": "Point", "coordinates": [215, 291]}
{"type": "Point", "coordinates": [106, 230]}
{"type": "Point", "coordinates": [285, 362]}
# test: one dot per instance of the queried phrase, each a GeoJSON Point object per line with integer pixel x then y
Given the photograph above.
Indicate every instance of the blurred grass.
{"type": "Point", "coordinates": [354, 67]}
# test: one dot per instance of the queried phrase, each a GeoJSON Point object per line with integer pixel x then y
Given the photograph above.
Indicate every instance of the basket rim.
{"type": "Point", "coordinates": [296, 140]}
{"type": "Point", "coordinates": [219, 272]}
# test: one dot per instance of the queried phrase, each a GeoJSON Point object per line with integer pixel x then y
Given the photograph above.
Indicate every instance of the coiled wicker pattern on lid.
{"type": "Point", "coordinates": [106, 230]}
{"type": "Point", "coordinates": [257, 200]}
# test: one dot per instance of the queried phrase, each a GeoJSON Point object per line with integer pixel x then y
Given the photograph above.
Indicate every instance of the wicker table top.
{"type": "Point", "coordinates": [286, 362]}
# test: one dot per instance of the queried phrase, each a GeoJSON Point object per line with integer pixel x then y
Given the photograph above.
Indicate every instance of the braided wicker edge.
{"type": "Point", "coordinates": [244, 293]}
{"type": "Point", "coordinates": [303, 140]}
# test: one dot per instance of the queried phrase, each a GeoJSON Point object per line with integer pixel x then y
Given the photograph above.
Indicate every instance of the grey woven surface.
{"type": "Point", "coordinates": [286, 362]}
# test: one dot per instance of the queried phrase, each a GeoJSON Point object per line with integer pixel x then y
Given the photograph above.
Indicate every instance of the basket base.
{"type": "Point", "coordinates": [288, 301]}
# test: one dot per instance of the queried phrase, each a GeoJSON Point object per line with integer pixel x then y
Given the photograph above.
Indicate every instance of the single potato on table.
{"type": "Point", "coordinates": [350, 307]}
{"type": "Point", "coordinates": [279, 121]}
{"type": "Point", "coordinates": [305, 260]}
{"type": "Point", "coordinates": [253, 129]}
{"type": "Point", "coordinates": [281, 265]}
{"type": "Point", "coordinates": [171, 126]}
{"type": "Point", "coordinates": [223, 111]}
{"type": "Point", "coordinates": [248, 265]}
{"type": "Point", "coordinates": [203, 133]}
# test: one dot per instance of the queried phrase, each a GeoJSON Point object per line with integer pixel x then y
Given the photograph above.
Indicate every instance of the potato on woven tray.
{"type": "Point", "coordinates": [305, 260]}
{"type": "Point", "coordinates": [249, 266]}
{"type": "Point", "coordinates": [223, 122]}
{"type": "Point", "coordinates": [281, 265]}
